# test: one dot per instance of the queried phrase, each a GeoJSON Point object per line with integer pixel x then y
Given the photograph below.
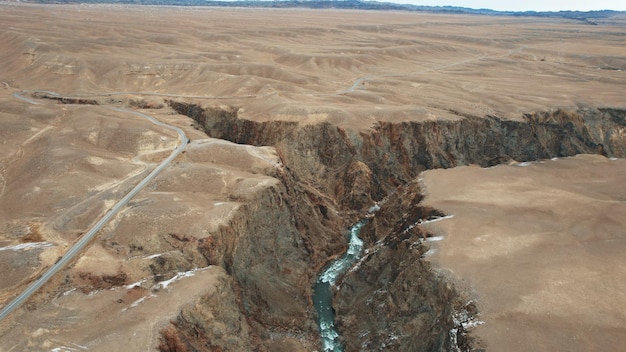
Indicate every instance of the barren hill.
{"type": "Point", "coordinates": [300, 122]}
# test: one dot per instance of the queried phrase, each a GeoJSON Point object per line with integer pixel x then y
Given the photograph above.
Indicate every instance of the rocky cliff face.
{"type": "Point", "coordinates": [270, 249]}
{"type": "Point", "coordinates": [212, 324]}
{"type": "Point", "coordinates": [324, 155]}
{"type": "Point", "coordinates": [394, 299]}
{"type": "Point", "coordinates": [285, 234]}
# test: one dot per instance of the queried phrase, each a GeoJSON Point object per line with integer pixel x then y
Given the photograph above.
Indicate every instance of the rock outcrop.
{"type": "Point", "coordinates": [330, 175]}
{"type": "Point", "coordinates": [213, 324]}
{"type": "Point", "coordinates": [394, 299]}
{"type": "Point", "coordinates": [395, 153]}
{"type": "Point", "coordinates": [272, 247]}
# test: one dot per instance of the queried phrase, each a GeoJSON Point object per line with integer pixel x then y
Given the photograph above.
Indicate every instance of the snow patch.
{"type": "Point", "coordinates": [435, 219]}
{"type": "Point", "coordinates": [466, 321]}
{"type": "Point", "coordinates": [434, 239]}
{"type": "Point", "coordinates": [472, 324]}
{"type": "Point", "coordinates": [69, 349]}
{"type": "Point", "coordinates": [137, 302]}
{"type": "Point", "coordinates": [373, 209]}
{"type": "Point", "coordinates": [27, 246]}
{"type": "Point", "coordinates": [427, 221]}
{"type": "Point", "coordinates": [178, 276]}
{"type": "Point", "coordinates": [138, 283]}
{"type": "Point", "coordinates": [68, 292]}
{"type": "Point", "coordinates": [430, 252]}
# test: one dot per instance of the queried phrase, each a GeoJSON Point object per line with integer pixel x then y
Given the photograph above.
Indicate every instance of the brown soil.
{"type": "Point", "coordinates": [541, 249]}
{"type": "Point", "coordinates": [284, 155]}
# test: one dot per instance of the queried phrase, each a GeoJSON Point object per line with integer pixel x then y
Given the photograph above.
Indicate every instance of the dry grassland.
{"type": "Point", "coordinates": [62, 166]}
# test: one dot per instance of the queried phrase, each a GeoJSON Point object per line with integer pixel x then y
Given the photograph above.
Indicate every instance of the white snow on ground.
{"type": "Point", "coordinates": [373, 209]}
{"type": "Point", "coordinates": [164, 284]}
{"type": "Point", "coordinates": [430, 220]}
{"type": "Point", "coordinates": [138, 283]}
{"type": "Point", "coordinates": [68, 292]}
{"type": "Point", "coordinates": [137, 302]}
{"type": "Point", "coordinates": [430, 252]}
{"type": "Point", "coordinates": [433, 239]}
{"type": "Point", "coordinates": [160, 285]}
{"type": "Point", "coordinates": [69, 349]}
{"type": "Point", "coordinates": [462, 318]}
{"type": "Point", "coordinates": [26, 246]}
{"type": "Point", "coordinates": [422, 222]}
{"type": "Point", "coordinates": [472, 324]}
{"type": "Point", "coordinates": [528, 163]}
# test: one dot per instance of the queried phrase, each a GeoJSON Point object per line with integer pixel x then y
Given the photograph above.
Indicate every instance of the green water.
{"type": "Point", "coordinates": [323, 294]}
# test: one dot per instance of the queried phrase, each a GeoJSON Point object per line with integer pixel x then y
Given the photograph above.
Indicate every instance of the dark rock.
{"type": "Point", "coordinates": [284, 235]}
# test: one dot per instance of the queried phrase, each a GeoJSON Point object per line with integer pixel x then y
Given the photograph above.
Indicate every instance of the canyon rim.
{"type": "Point", "coordinates": [300, 123]}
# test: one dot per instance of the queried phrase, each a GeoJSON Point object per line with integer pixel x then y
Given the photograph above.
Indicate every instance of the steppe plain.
{"type": "Point", "coordinates": [63, 165]}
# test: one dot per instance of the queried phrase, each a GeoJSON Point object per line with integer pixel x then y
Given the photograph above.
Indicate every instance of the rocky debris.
{"type": "Point", "coordinates": [208, 248]}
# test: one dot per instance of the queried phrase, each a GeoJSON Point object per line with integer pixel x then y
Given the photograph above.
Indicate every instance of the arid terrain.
{"type": "Point", "coordinates": [300, 123]}
{"type": "Point", "coordinates": [541, 246]}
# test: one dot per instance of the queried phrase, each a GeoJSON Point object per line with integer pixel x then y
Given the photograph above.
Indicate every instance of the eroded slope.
{"type": "Point", "coordinates": [331, 111]}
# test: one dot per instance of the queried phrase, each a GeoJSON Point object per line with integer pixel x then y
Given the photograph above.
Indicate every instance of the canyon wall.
{"type": "Point", "coordinates": [329, 177]}
{"type": "Point", "coordinates": [271, 248]}
{"type": "Point", "coordinates": [393, 299]}
{"type": "Point", "coordinates": [329, 157]}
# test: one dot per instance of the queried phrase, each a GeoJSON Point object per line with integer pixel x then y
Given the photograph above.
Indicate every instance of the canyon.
{"type": "Point", "coordinates": [301, 122]}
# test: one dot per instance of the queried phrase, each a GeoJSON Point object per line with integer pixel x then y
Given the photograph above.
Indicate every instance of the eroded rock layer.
{"type": "Point", "coordinates": [330, 112]}
{"type": "Point", "coordinates": [394, 153]}
{"type": "Point", "coordinates": [393, 299]}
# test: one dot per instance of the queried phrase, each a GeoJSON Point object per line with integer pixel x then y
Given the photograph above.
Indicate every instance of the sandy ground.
{"type": "Point", "coordinates": [124, 318]}
{"type": "Point", "coordinates": [352, 68]}
{"type": "Point", "coordinates": [62, 166]}
{"type": "Point", "coordinates": [541, 247]}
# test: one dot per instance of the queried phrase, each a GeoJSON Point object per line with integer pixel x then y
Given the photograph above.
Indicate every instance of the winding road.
{"type": "Point", "coordinates": [86, 238]}
{"type": "Point", "coordinates": [356, 84]}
